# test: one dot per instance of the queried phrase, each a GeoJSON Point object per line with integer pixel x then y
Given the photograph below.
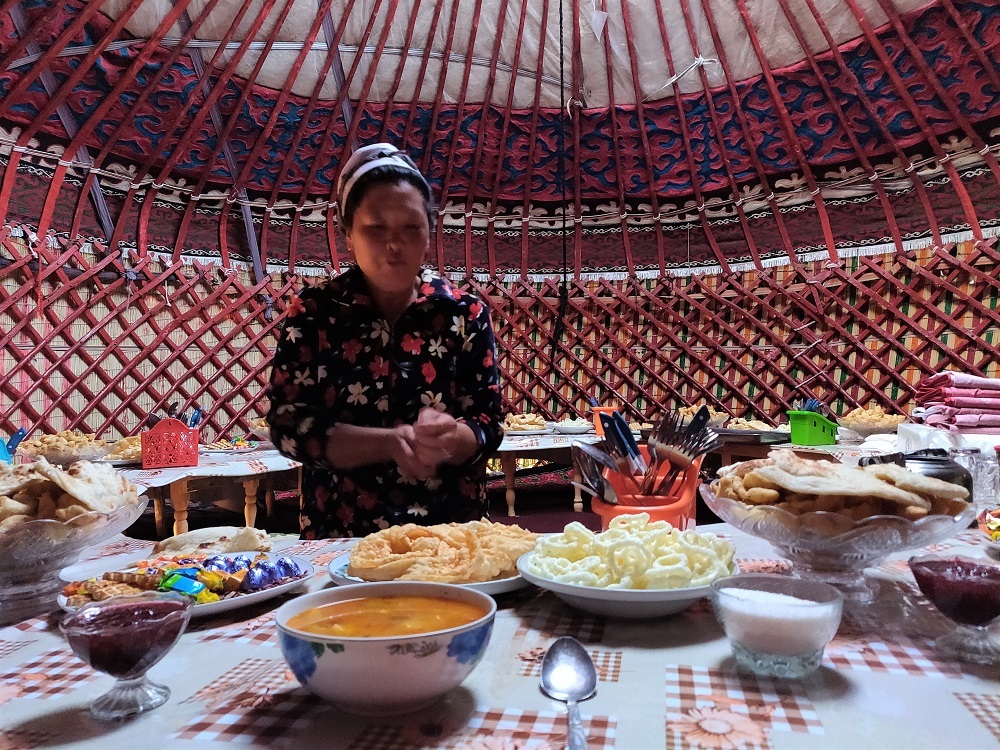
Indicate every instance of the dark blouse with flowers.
{"type": "Point", "coordinates": [339, 361]}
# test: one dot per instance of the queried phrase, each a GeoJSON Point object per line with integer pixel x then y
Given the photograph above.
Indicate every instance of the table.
{"type": "Point", "coordinates": [881, 685]}
{"type": "Point", "coordinates": [552, 447]}
{"type": "Point", "coordinates": [173, 483]}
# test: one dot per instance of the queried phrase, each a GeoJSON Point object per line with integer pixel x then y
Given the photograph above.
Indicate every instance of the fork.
{"type": "Point", "coordinates": [682, 456]}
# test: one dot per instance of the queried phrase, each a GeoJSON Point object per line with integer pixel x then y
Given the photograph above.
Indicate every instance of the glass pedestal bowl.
{"type": "Point", "coordinates": [32, 554]}
{"type": "Point", "coordinates": [833, 548]}
{"type": "Point", "coordinates": [967, 592]}
{"type": "Point", "coordinates": [124, 636]}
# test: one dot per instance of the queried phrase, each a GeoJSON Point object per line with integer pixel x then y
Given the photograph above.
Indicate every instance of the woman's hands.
{"type": "Point", "coordinates": [418, 449]}
{"type": "Point", "coordinates": [434, 439]}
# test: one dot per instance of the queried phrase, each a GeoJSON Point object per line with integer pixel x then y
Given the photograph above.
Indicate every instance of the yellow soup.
{"type": "Point", "coordinates": [379, 617]}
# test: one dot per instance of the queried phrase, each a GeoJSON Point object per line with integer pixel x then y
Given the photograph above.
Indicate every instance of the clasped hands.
{"type": "Point", "coordinates": [432, 440]}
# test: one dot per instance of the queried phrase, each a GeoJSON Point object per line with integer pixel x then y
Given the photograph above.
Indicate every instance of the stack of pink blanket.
{"type": "Point", "coordinates": [956, 399]}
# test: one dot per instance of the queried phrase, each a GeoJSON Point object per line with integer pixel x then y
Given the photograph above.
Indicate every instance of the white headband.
{"type": "Point", "coordinates": [366, 159]}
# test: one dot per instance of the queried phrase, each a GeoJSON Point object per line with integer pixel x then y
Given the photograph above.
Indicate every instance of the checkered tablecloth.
{"type": "Point", "coordinates": [667, 683]}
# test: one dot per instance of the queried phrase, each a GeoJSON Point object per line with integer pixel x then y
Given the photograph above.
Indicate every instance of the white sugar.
{"type": "Point", "coordinates": [772, 623]}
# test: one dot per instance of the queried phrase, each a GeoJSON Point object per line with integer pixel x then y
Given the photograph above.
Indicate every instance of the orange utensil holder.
{"type": "Point", "coordinates": [598, 410]}
{"type": "Point", "coordinates": [169, 443]}
{"type": "Point", "coordinates": [676, 507]}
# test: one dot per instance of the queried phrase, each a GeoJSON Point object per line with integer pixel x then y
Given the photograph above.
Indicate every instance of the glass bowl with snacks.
{"type": "Point", "coordinates": [869, 421]}
{"type": "Point", "coordinates": [48, 516]}
{"type": "Point", "coordinates": [65, 447]}
{"type": "Point", "coordinates": [832, 521]}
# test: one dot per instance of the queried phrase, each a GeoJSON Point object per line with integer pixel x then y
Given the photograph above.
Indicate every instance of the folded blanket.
{"type": "Point", "coordinates": [964, 420]}
{"type": "Point", "coordinates": [975, 404]}
{"type": "Point", "coordinates": [950, 379]}
{"type": "Point", "coordinates": [939, 394]}
{"type": "Point", "coordinates": [920, 412]}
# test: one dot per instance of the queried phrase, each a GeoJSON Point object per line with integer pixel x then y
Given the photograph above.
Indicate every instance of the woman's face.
{"type": "Point", "coordinates": [390, 236]}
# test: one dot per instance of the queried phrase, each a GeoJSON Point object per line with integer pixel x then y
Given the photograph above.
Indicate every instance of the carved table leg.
{"type": "Point", "coordinates": [577, 497]}
{"type": "Point", "coordinates": [180, 496]}
{"type": "Point", "coordinates": [508, 461]}
{"type": "Point", "coordinates": [159, 512]}
{"type": "Point", "coordinates": [250, 485]}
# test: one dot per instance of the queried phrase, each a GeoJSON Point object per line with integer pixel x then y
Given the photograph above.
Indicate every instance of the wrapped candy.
{"type": "Point", "coordinates": [287, 568]}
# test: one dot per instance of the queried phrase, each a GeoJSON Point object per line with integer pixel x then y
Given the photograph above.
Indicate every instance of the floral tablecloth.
{"type": "Point", "coordinates": [666, 683]}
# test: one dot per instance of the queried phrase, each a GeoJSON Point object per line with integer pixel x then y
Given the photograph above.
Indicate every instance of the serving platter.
{"type": "Point", "coordinates": [338, 573]}
{"type": "Point", "coordinates": [118, 462]}
{"type": "Point", "coordinates": [753, 437]}
{"type": "Point", "coordinates": [632, 604]}
{"type": "Point", "coordinates": [95, 568]}
{"type": "Point", "coordinates": [540, 431]}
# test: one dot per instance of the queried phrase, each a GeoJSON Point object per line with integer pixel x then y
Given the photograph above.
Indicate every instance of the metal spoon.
{"type": "Point", "coordinates": [568, 675]}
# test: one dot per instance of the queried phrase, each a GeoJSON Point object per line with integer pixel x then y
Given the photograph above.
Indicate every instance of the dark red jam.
{"type": "Point", "coordinates": [124, 640]}
{"type": "Point", "coordinates": [968, 592]}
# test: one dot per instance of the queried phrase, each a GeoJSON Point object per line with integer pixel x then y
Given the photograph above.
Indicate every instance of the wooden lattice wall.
{"type": "Point", "coordinates": [90, 340]}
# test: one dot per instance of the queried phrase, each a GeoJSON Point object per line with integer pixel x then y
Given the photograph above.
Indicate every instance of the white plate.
{"type": "Point", "coordinates": [625, 603]}
{"type": "Point", "coordinates": [227, 450]}
{"type": "Point", "coordinates": [540, 431]}
{"type": "Point", "coordinates": [573, 429]}
{"type": "Point", "coordinates": [99, 567]}
{"type": "Point", "coordinates": [338, 572]}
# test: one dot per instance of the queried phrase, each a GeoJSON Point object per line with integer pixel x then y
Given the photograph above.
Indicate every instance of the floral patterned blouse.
{"type": "Point", "coordinates": [339, 360]}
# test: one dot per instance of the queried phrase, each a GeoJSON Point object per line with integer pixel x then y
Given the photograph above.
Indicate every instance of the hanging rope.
{"type": "Point", "coordinates": [560, 321]}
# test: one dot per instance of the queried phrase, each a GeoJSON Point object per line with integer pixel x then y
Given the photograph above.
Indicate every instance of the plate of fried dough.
{"type": "Point", "coordinates": [526, 424]}
{"type": "Point", "coordinates": [478, 554]}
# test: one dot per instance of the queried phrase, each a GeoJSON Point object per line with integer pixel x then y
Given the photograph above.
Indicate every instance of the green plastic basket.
{"type": "Point", "coordinates": [811, 428]}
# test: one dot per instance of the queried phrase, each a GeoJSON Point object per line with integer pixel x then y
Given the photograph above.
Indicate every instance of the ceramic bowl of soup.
{"type": "Point", "coordinates": [385, 648]}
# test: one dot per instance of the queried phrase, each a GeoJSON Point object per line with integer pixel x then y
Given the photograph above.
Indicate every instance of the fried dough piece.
{"type": "Point", "coordinates": [440, 554]}
{"type": "Point", "coordinates": [502, 545]}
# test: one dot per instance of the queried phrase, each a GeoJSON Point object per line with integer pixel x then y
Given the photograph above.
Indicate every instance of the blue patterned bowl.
{"type": "Point", "coordinates": [385, 676]}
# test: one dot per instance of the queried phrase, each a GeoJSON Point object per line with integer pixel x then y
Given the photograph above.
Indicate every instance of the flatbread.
{"type": "Point", "coordinates": [913, 482]}
{"type": "Point", "coordinates": [14, 478]}
{"type": "Point", "coordinates": [847, 481]}
{"type": "Point", "coordinates": [215, 540]}
{"type": "Point", "coordinates": [93, 486]}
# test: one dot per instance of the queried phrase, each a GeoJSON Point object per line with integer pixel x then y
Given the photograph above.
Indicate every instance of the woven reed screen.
{"type": "Point", "coordinates": [87, 342]}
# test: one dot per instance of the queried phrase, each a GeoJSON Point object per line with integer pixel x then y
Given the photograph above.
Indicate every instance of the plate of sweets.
{"type": "Point", "coordinates": [236, 445]}
{"type": "Point", "coordinates": [989, 524]}
{"type": "Point", "coordinates": [217, 582]}
{"type": "Point", "coordinates": [526, 424]}
{"type": "Point", "coordinates": [635, 569]}
{"type": "Point", "coordinates": [478, 555]}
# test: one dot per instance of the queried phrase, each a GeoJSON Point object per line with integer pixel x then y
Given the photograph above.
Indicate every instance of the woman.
{"type": "Point", "coordinates": [385, 383]}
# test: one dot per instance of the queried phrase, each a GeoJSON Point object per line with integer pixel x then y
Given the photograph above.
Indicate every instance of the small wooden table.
{"type": "Point", "coordinates": [547, 447]}
{"type": "Point", "coordinates": [173, 484]}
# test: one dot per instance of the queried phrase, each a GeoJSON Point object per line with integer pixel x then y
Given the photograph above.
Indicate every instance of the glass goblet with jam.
{"type": "Point", "coordinates": [967, 592]}
{"type": "Point", "coordinates": [124, 637]}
